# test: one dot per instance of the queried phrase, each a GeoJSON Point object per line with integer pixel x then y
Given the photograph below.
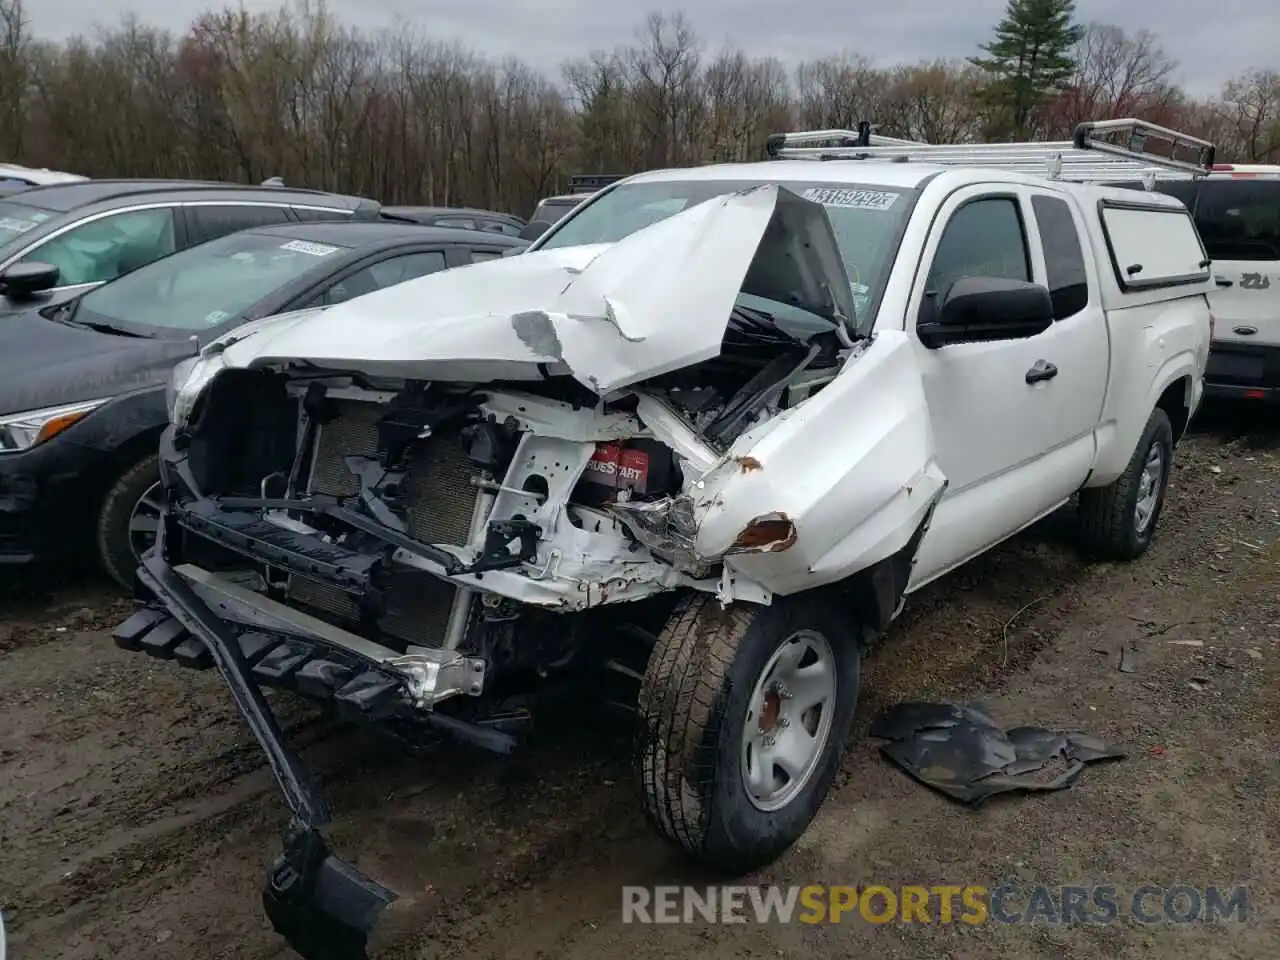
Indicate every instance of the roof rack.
{"type": "Point", "coordinates": [1105, 150]}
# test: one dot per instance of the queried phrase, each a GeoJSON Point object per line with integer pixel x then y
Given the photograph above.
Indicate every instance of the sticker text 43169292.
{"type": "Point", "coordinates": [842, 197]}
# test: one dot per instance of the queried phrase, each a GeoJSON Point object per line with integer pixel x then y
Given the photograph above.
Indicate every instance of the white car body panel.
{"type": "Point", "coordinates": [951, 440]}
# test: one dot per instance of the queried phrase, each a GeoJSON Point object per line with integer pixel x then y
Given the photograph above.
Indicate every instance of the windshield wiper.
{"type": "Point", "coordinates": [65, 312]}
{"type": "Point", "coordinates": [104, 327]}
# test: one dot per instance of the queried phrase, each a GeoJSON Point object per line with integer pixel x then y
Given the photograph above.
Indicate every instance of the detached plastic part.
{"type": "Point", "coordinates": [323, 906]}
{"type": "Point", "coordinates": [959, 751]}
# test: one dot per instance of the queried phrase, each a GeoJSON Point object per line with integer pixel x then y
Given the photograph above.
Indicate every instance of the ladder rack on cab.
{"type": "Point", "coordinates": [1100, 151]}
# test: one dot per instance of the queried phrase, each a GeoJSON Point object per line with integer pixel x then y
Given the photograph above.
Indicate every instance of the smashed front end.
{"type": "Point", "coordinates": [422, 542]}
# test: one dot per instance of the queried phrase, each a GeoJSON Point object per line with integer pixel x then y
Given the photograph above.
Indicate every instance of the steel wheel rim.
{"type": "Point", "coordinates": [788, 720]}
{"type": "Point", "coordinates": [1149, 482]}
{"type": "Point", "coordinates": [144, 520]}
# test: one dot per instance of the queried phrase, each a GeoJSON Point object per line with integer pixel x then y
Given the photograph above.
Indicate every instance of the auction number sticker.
{"type": "Point", "coordinates": [305, 246]}
{"type": "Point", "coordinates": [838, 197]}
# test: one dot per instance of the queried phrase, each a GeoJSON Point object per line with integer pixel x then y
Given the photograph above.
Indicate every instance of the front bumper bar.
{"type": "Point", "coordinates": [322, 905]}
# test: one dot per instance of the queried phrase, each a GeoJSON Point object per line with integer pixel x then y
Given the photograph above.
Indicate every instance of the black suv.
{"type": "Point", "coordinates": [95, 230]}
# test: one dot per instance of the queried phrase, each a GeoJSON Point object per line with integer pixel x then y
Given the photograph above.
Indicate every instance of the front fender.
{"type": "Point", "coordinates": [853, 470]}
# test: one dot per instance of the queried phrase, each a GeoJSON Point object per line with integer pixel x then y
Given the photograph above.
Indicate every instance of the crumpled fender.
{"type": "Point", "coordinates": [844, 480]}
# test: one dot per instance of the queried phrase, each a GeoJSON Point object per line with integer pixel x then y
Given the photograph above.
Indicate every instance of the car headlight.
{"type": "Point", "coordinates": [187, 382]}
{"type": "Point", "coordinates": [21, 431]}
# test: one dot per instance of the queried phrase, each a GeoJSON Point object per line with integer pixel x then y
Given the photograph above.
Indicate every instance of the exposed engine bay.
{"type": "Point", "coordinates": [549, 495]}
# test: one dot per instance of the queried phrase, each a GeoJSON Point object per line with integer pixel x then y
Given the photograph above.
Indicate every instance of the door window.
{"type": "Point", "coordinates": [463, 223]}
{"type": "Point", "coordinates": [107, 247]}
{"type": "Point", "coordinates": [478, 255]}
{"type": "Point", "coordinates": [211, 222]}
{"type": "Point", "coordinates": [984, 238]}
{"type": "Point", "coordinates": [385, 273]}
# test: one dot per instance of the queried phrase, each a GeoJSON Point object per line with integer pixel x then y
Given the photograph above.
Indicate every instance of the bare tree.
{"type": "Point", "coordinates": [403, 117]}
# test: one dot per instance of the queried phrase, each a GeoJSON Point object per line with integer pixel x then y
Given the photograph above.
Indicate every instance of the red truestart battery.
{"type": "Point", "coordinates": [618, 468]}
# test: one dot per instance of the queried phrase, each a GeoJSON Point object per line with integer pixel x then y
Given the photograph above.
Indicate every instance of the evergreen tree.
{"type": "Point", "coordinates": [1029, 58]}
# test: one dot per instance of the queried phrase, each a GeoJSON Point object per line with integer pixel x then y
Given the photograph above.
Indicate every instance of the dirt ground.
{"type": "Point", "coordinates": [137, 818]}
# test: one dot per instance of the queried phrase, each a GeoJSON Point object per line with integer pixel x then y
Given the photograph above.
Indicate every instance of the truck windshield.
{"type": "Point", "coordinates": [866, 219]}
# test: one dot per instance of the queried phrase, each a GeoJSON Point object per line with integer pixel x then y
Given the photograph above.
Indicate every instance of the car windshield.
{"type": "Point", "coordinates": [203, 288]}
{"type": "Point", "coordinates": [16, 219]}
{"type": "Point", "coordinates": [865, 219]}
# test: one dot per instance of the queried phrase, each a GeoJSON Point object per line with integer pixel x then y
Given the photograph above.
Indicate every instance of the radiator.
{"type": "Point", "coordinates": [440, 500]}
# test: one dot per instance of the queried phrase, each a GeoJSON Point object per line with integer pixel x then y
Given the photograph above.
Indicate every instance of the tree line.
{"type": "Point", "coordinates": [403, 117]}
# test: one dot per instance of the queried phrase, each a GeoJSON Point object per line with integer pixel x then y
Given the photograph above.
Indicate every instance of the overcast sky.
{"type": "Point", "coordinates": [1211, 39]}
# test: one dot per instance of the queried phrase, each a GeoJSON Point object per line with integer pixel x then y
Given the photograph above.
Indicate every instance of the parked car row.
{"type": "Point", "coordinates": [107, 284]}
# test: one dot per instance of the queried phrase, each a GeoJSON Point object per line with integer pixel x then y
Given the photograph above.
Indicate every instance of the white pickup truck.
{"type": "Point", "coordinates": [706, 435]}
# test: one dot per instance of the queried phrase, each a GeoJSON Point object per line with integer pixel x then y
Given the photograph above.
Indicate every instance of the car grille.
{"type": "Point", "coordinates": [440, 499]}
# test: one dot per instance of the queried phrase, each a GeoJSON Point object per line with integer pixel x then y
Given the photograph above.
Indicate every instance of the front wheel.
{"type": "Point", "coordinates": [743, 716]}
{"type": "Point", "coordinates": [129, 519]}
{"type": "Point", "coordinates": [1118, 521]}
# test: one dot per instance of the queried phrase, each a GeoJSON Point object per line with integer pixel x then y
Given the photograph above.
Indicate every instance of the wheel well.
{"type": "Point", "coordinates": [130, 452]}
{"type": "Point", "coordinates": [1175, 402]}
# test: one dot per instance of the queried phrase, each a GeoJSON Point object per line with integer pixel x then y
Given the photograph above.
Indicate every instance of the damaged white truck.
{"type": "Point", "coordinates": [695, 447]}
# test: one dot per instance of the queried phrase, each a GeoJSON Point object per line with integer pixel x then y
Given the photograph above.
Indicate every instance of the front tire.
{"type": "Point", "coordinates": [1117, 522]}
{"type": "Point", "coordinates": [743, 717]}
{"type": "Point", "coordinates": [128, 520]}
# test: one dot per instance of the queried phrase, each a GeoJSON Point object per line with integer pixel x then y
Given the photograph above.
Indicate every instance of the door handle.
{"type": "Point", "coordinates": [1223, 282]}
{"type": "Point", "coordinates": [1043, 370]}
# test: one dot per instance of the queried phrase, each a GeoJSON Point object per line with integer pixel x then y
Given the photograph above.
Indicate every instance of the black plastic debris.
{"type": "Point", "coordinates": [961, 752]}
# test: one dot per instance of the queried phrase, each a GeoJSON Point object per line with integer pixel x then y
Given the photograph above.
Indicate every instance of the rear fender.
{"type": "Point", "coordinates": [852, 471]}
{"type": "Point", "coordinates": [1118, 438]}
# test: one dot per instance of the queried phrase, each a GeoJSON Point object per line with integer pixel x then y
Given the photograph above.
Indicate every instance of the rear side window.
{"type": "Point", "coordinates": [500, 226]}
{"type": "Point", "coordinates": [550, 211]}
{"type": "Point", "coordinates": [1153, 247]}
{"type": "Point", "coordinates": [1063, 257]}
{"type": "Point", "coordinates": [311, 213]}
{"type": "Point", "coordinates": [211, 222]}
{"type": "Point", "coordinates": [1240, 219]}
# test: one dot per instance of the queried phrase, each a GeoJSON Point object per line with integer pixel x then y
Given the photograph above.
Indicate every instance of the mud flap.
{"type": "Point", "coordinates": [323, 906]}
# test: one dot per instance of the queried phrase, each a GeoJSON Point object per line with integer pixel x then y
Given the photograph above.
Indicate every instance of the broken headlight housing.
{"type": "Point", "coordinates": [188, 380]}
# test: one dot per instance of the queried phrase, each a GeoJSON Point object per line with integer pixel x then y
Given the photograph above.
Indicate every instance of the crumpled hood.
{"type": "Point", "coordinates": [609, 315]}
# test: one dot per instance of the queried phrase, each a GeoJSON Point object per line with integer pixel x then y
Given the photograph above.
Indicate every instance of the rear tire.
{"type": "Point", "coordinates": [1118, 521]}
{"type": "Point", "coordinates": [126, 519]}
{"type": "Point", "coordinates": [711, 784]}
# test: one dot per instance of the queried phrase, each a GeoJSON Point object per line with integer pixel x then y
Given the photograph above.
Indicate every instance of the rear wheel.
{"type": "Point", "coordinates": [129, 519]}
{"type": "Point", "coordinates": [1118, 521]}
{"type": "Point", "coordinates": [743, 717]}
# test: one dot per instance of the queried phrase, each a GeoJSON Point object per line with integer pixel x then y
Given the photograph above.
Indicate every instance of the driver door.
{"type": "Point", "coordinates": [992, 423]}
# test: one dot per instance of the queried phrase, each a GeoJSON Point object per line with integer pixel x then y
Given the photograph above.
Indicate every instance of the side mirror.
{"type": "Point", "coordinates": [534, 229]}
{"type": "Point", "coordinates": [23, 281]}
{"type": "Point", "coordinates": [981, 309]}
